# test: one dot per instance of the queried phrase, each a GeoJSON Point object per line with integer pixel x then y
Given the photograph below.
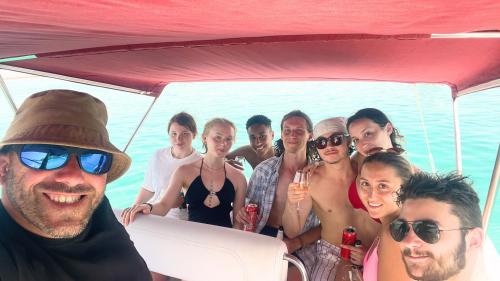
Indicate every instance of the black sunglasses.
{"type": "Point", "coordinates": [335, 139]}
{"type": "Point", "coordinates": [51, 157]}
{"type": "Point", "coordinates": [427, 230]}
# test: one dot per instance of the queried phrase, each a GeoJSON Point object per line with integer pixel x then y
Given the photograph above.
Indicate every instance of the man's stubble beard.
{"type": "Point", "coordinates": [444, 267]}
{"type": "Point", "coordinates": [29, 206]}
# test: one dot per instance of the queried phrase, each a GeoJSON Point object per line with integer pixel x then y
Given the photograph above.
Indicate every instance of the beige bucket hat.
{"type": "Point", "coordinates": [330, 125]}
{"type": "Point", "coordinates": [65, 117]}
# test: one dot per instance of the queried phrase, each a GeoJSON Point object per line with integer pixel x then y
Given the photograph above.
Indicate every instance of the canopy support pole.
{"type": "Point", "coordinates": [7, 95]}
{"type": "Point", "coordinates": [140, 124]}
{"type": "Point", "coordinates": [490, 200]}
{"type": "Point", "coordinates": [458, 143]}
{"type": "Point", "coordinates": [424, 129]}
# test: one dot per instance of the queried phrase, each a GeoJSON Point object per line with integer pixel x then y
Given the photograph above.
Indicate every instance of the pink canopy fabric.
{"type": "Point", "coordinates": [144, 45]}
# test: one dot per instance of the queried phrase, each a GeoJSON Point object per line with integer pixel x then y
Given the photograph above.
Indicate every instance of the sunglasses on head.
{"type": "Point", "coordinates": [427, 230]}
{"type": "Point", "coordinates": [335, 139]}
{"type": "Point", "coordinates": [47, 157]}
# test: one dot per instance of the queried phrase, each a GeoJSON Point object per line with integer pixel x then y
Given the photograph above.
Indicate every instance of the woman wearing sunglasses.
{"type": "Point", "coordinates": [380, 180]}
{"type": "Point", "coordinates": [213, 188]}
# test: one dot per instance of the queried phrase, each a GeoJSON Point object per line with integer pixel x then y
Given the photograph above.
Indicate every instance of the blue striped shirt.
{"type": "Point", "coordinates": [262, 189]}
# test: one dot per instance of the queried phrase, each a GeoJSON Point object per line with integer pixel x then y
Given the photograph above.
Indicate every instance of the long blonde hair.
{"type": "Point", "coordinates": [213, 122]}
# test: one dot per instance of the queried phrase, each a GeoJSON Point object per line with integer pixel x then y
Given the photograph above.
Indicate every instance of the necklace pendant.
{"type": "Point", "coordinates": [212, 200]}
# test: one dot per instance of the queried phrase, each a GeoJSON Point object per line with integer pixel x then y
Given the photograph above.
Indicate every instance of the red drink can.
{"type": "Point", "coordinates": [253, 214]}
{"type": "Point", "coordinates": [348, 238]}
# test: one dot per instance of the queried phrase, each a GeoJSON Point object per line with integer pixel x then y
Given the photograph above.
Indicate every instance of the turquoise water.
{"type": "Point", "coordinates": [238, 101]}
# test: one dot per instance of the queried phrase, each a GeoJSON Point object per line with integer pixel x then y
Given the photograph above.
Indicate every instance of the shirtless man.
{"type": "Point", "coordinates": [268, 185]}
{"type": "Point", "coordinates": [261, 147]}
{"type": "Point", "coordinates": [327, 196]}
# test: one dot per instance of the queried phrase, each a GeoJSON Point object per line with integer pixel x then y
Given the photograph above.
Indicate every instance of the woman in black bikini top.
{"type": "Point", "coordinates": [214, 189]}
{"type": "Point", "coordinates": [210, 204]}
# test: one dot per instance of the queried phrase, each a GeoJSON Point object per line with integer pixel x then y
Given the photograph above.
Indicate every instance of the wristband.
{"type": "Point", "coordinates": [150, 206]}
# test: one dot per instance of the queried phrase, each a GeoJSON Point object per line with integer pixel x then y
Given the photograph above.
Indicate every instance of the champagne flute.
{"type": "Point", "coordinates": [300, 182]}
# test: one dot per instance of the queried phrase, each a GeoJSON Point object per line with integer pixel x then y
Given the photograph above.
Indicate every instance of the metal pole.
{"type": "Point", "coordinates": [432, 163]}
{"type": "Point", "coordinates": [140, 124]}
{"type": "Point", "coordinates": [6, 92]}
{"type": "Point", "coordinates": [490, 200]}
{"type": "Point", "coordinates": [300, 266]}
{"type": "Point", "coordinates": [458, 143]}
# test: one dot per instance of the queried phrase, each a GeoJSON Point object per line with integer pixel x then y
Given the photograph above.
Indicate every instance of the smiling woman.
{"type": "Point", "coordinates": [380, 180]}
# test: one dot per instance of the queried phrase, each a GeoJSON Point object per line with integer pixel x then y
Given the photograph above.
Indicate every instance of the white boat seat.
{"type": "Point", "coordinates": [193, 251]}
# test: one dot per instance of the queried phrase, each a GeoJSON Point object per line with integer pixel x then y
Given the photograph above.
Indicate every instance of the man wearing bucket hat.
{"type": "Point", "coordinates": [327, 195]}
{"type": "Point", "coordinates": [56, 223]}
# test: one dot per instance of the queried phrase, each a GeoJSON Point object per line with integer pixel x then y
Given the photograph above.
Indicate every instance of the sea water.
{"type": "Point", "coordinates": [422, 113]}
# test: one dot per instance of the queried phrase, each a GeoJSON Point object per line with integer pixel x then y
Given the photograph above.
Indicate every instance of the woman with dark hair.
{"type": "Point", "coordinates": [381, 176]}
{"type": "Point", "coordinates": [371, 131]}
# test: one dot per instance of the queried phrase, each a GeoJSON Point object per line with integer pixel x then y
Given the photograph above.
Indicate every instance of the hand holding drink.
{"type": "Point", "coordinates": [252, 212]}
{"type": "Point", "coordinates": [348, 238]}
{"type": "Point", "coordinates": [298, 189]}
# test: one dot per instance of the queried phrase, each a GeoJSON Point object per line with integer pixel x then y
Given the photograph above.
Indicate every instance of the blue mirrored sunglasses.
{"type": "Point", "coordinates": [48, 157]}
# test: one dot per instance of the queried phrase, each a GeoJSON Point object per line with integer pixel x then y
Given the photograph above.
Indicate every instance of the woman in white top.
{"type": "Point", "coordinates": [181, 130]}
{"type": "Point", "coordinates": [213, 189]}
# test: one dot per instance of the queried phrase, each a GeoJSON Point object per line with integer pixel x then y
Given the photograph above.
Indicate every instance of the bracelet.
{"type": "Point", "coordinates": [301, 242]}
{"type": "Point", "coordinates": [150, 206]}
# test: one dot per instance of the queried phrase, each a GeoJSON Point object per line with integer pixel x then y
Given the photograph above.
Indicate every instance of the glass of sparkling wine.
{"type": "Point", "coordinates": [300, 183]}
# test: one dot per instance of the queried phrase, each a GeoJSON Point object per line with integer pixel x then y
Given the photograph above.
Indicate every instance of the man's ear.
{"type": "Point", "coordinates": [4, 167]}
{"type": "Point", "coordinates": [475, 238]}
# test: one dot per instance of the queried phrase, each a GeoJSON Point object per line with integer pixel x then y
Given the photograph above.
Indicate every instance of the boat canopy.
{"type": "Point", "coordinates": [141, 46]}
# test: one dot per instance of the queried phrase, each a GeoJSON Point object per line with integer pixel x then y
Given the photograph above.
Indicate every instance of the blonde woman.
{"type": "Point", "coordinates": [213, 188]}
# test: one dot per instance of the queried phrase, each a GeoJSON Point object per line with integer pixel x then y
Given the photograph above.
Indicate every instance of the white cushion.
{"type": "Point", "coordinates": [193, 251]}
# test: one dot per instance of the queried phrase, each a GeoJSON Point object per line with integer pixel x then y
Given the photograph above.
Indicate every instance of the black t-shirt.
{"type": "Point", "coordinates": [103, 251]}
